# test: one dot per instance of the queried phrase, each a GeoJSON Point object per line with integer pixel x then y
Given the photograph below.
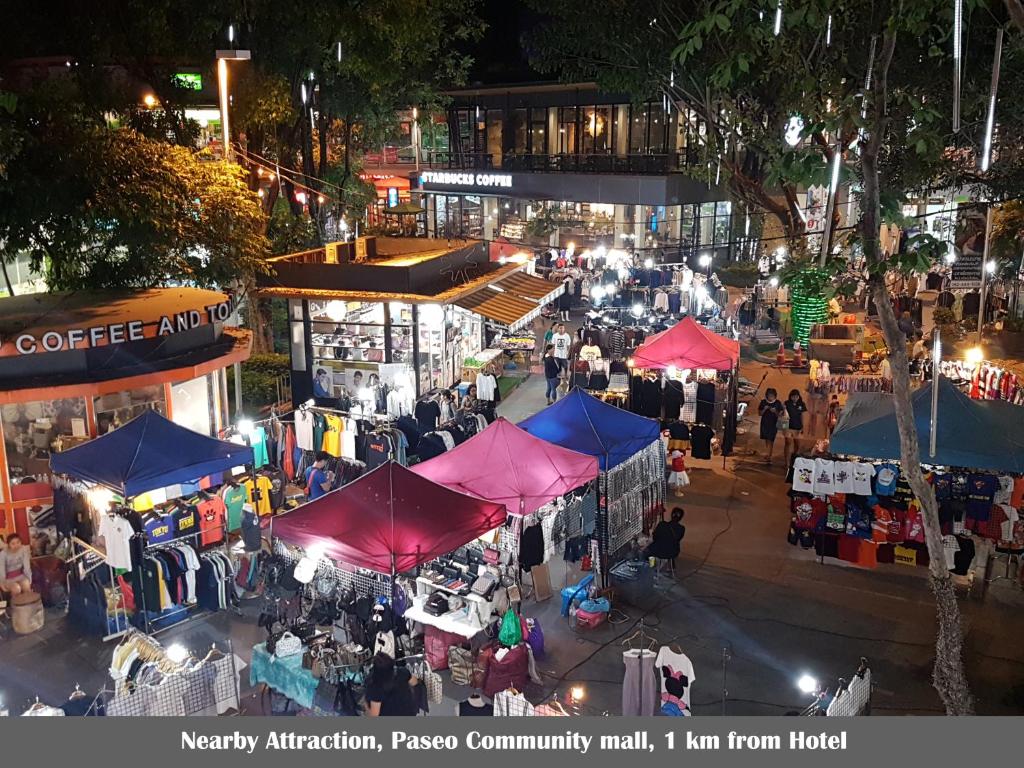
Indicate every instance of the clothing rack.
{"type": "Point", "coordinates": [81, 551]}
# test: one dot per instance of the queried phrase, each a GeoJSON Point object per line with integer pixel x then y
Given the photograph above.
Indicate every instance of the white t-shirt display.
{"type": "Point", "coordinates": [824, 477]}
{"type": "Point", "coordinates": [304, 430]}
{"type": "Point", "coordinates": [563, 343]}
{"type": "Point", "coordinates": [116, 533]}
{"type": "Point", "coordinates": [803, 475]}
{"type": "Point", "coordinates": [862, 474]}
{"type": "Point", "coordinates": [1006, 529]}
{"type": "Point", "coordinates": [1005, 490]}
{"type": "Point", "coordinates": [844, 477]}
{"type": "Point", "coordinates": [590, 353]}
{"type": "Point", "coordinates": [676, 676]}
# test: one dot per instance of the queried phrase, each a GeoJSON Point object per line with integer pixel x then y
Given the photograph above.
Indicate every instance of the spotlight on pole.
{"type": "Point", "coordinates": [807, 684]}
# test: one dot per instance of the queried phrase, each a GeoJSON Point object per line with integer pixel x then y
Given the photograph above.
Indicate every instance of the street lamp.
{"type": "Point", "coordinates": [223, 57]}
{"type": "Point", "coordinates": [807, 684]}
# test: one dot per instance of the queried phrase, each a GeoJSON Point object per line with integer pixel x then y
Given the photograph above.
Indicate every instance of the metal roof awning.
{"type": "Point", "coordinates": [533, 288]}
{"type": "Point", "coordinates": [500, 307]}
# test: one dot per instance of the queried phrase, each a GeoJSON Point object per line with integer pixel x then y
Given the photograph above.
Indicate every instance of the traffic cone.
{"type": "Point", "coordinates": [798, 356]}
{"type": "Point", "coordinates": [780, 354]}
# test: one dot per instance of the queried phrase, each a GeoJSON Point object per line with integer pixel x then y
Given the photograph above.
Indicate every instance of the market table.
{"type": "Point", "coordinates": [285, 675]}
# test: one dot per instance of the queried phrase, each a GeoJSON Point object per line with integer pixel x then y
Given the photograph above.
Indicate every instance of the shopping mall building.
{"type": "Point", "coordinates": [548, 165]}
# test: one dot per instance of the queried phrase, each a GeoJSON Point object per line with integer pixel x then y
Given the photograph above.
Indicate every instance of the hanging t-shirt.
{"type": "Point", "coordinates": [332, 435]}
{"type": "Point", "coordinates": [117, 533]}
{"type": "Point", "coordinates": [677, 676]}
{"type": "Point", "coordinates": [844, 477]}
{"type": "Point", "coordinates": [1017, 500]}
{"type": "Point", "coordinates": [700, 441]}
{"type": "Point", "coordinates": [1010, 516]}
{"type": "Point", "coordinates": [304, 430]}
{"type": "Point", "coordinates": [885, 479]}
{"type": "Point", "coordinates": [942, 482]}
{"type": "Point", "coordinates": [950, 547]}
{"type": "Point", "coordinates": [427, 413]}
{"type": "Point", "coordinates": [803, 475]}
{"type": "Point", "coordinates": [808, 511]}
{"type": "Point", "coordinates": [185, 522]}
{"type": "Point", "coordinates": [263, 504]}
{"type": "Point", "coordinates": [212, 514]}
{"type": "Point", "coordinates": [159, 527]}
{"type": "Point", "coordinates": [913, 524]}
{"type": "Point", "coordinates": [258, 441]}
{"type": "Point", "coordinates": [824, 477]}
{"type": "Point", "coordinates": [862, 474]}
{"type": "Point", "coordinates": [1004, 493]}
{"type": "Point", "coordinates": [958, 486]}
{"type": "Point", "coordinates": [981, 490]}
{"type": "Point", "coordinates": [234, 497]}
{"type": "Point", "coordinates": [278, 484]}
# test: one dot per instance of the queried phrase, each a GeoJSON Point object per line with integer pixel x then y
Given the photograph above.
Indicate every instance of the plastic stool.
{"type": "Point", "coordinates": [573, 591]}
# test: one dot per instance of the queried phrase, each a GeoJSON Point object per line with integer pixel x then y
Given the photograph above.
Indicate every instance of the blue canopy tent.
{"type": "Point", "coordinates": [582, 423]}
{"type": "Point", "coordinates": [149, 452]}
{"type": "Point", "coordinates": [972, 434]}
{"type": "Point", "coordinates": [630, 456]}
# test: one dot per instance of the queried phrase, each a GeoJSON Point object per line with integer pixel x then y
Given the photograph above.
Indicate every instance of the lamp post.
{"type": "Point", "coordinates": [223, 57]}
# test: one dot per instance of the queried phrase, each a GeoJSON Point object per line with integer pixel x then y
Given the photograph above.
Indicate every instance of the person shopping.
{"type": "Point", "coordinates": [795, 410]}
{"type": "Point", "coordinates": [667, 537]}
{"type": "Point", "coordinates": [389, 689]}
{"type": "Point", "coordinates": [563, 344]}
{"type": "Point", "coordinates": [551, 373]}
{"type": "Point", "coordinates": [15, 567]}
{"type": "Point", "coordinates": [770, 410]}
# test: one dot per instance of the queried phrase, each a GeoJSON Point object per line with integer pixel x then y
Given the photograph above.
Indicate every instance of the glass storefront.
{"type": "Point", "coordinates": [194, 404]}
{"type": "Point", "coordinates": [30, 430]}
{"type": "Point", "coordinates": [118, 408]}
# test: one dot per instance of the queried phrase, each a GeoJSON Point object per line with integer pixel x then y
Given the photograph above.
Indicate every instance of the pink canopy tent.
{"type": "Point", "coordinates": [389, 520]}
{"type": "Point", "coordinates": [687, 344]}
{"type": "Point", "coordinates": [510, 466]}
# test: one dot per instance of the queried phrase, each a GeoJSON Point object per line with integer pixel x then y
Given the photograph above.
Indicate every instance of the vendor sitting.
{"type": "Point", "coordinates": [15, 567]}
{"type": "Point", "coordinates": [667, 537]}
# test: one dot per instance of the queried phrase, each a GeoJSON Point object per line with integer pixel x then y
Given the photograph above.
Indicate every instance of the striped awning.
{"type": "Point", "coordinates": [530, 287]}
{"type": "Point", "coordinates": [500, 307]}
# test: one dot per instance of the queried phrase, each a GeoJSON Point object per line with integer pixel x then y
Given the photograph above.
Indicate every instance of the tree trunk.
{"type": "Point", "coordinates": [948, 675]}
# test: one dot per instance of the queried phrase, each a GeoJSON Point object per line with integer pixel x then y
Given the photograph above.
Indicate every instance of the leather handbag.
{"type": "Point", "coordinates": [287, 645]}
{"type": "Point", "coordinates": [491, 556]}
{"type": "Point", "coordinates": [432, 682]}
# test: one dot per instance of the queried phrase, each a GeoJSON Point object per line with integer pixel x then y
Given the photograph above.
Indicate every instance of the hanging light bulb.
{"type": "Point", "coordinates": [958, 19]}
{"type": "Point", "coordinates": [302, 90]}
{"type": "Point", "coordinates": [231, 34]}
{"type": "Point", "coordinates": [837, 161]}
{"type": "Point", "coordinates": [990, 120]}
{"type": "Point", "coordinates": [778, 18]}
{"type": "Point", "coordinates": [339, 52]}
{"type": "Point", "coordinates": [828, 32]}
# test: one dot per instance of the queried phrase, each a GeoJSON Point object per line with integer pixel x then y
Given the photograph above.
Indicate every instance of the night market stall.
{"type": "Point", "coordinates": [629, 454]}
{"type": "Point", "coordinates": [534, 479]}
{"type": "Point", "coordinates": [355, 542]}
{"type": "Point", "coordinates": [685, 375]}
{"type": "Point", "coordinates": [153, 487]}
{"type": "Point", "coordinates": [855, 504]}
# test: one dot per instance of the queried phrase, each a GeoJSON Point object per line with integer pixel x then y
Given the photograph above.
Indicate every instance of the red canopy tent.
{"type": "Point", "coordinates": [688, 344]}
{"type": "Point", "coordinates": [389, 520]}
{"type": "Point", "coordinates": [508, 465]}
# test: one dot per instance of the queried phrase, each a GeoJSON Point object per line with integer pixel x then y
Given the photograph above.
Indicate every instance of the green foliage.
{"type": "Point", "coordinates": [260, 376]}
{"type": "Point", "coordinates": [100, 207]}
{"type": "Point", "coordinates": [740, 275]}
{"type": "Point", "coordinates": [944, 316]}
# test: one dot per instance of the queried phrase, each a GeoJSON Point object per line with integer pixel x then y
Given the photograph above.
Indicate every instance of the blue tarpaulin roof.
{"type": "Point", "coordinates": [972, 434]}
{"type": "Point", "coordinates": [149, 452]}
{"type": "Point", "coordinates": [587, 425]}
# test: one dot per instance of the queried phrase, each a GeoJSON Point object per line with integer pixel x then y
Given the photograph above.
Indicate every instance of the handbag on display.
{"type": "Point", "coordinates": [460, 662]}
{"type": "Point", "coordinates": [287, 645]}
{"type": "Point", "coordinates": [432, 682]}
{"type": "Point", "coordinates": [485, 585]}
{"type": "Point", "coordinates": [437, 604]}
{"type": "Point", "coordinates": [492, 556]}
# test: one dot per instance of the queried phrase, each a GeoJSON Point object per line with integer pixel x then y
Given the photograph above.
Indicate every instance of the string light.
{"type": "Point", "coordinates": [778, 18]}
{"type": "Point", "coordinates": [990, 120]}
{"type": "Point", "coordinates": [958, 18]}
{"type": "Point", "coordinates": [808, 306]}
{"type": "Point", "coordinates": [339, 52]}
{"type": "Point", "coordinates": [828, 32]}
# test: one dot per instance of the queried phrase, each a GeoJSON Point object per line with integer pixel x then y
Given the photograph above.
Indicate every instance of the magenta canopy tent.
{"type": "Point", "coordinates": [687, 344]}
{"type": "Point", "coordinates": [508, 465]}
{"type": "Point", "coordinates": [389, 520]}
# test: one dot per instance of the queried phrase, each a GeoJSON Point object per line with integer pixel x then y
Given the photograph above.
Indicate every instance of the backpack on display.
{"type": "Point", "coordinates": [460, 662]}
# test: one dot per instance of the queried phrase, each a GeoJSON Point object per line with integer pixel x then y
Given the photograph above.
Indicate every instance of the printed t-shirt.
{"type": "Point", "coordinates": [677, 676]}
{"type": "Point", "coordinates": [159, 527]}
{"type": "Point", "coordinates": [211, 520]}
{"type": "Point", "coordinates": [185, 522]}
{"type": "Point", "coordinates": [858, 519]}
{"type": "Point", "coordinates": [981, 489]}
{"type": "Point", "coordinates": [1004, 493]}
{"type": "Point", "coordinates": [332, 435]}
{"type": "Point", "coordinates": [862, 474]}
{"type": "Point", "coordinates": [844, 477]}
{"type": "Point", "coordinates": [958, 486]}
{"type": "Point", "coordinates": [808, 511]}
{"type": "Point", "coordinates": [885, 479]}
{"type": "Point", "coordinates": [913, 524]}
{"type": "Point", "coordinates": [942, 483]}
{"type": "Point", "coordinates": [304, 430]}
{"type": "Point", "coordinates": [259, 447]}
{"type": "Point", "coordinates": [264, 485]}
{"type": "Point", "coordinates": [835, 520]}
{"type": "Point", "coordinates": [824, 476]}
{"type": "Point", "coordinates": [803, 475]}
{"type": "Point", "coordinates": [234, 497]}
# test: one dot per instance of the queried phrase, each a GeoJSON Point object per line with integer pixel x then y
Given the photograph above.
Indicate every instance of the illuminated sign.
{"type": "Point", "coordinates": [119, 333]}
{"type": "Point", "coordinates": [392, 197]}
{"type": "Point", "coordinates": [458, 179]}
{"type": "Point", "coordinates": [190, 81]}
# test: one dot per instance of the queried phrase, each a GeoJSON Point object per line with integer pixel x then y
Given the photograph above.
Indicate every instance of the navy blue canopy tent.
{"type": "Point", "coordinates": [582, 423]}
{"type": "Point", "coordinates": [972, 434]}
{"type": "Point", "coordinates": [149, 452]}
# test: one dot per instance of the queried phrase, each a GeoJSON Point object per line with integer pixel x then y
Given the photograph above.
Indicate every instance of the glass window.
{"type": "Point", "coordinates": [657, 129]}
{"type": "Point", "coordinates": [597, 130]}
{"type": "Point", "coordinates": [519, 131]}
{"type": "Point", "coordinates": [119, 408]}
{"type": "Point", "coordinates": [191, 405]}
{"type": "Point", "coordinates": [567, 134]}
{"type": "Point", "coordinates": [31, 429]}
{"type": "Point", "coordinates": [707, 223]}
{"type": "Point", "coordinates": [638, 129]}
{"type": "Point", "coordinates": [722, 221]}
{"type": "Point", "coordinates": [431, 362]}
{"type": "Point", "coordinates": [494, 139]}
{"type": "Point", "coordinates": [538, 131]}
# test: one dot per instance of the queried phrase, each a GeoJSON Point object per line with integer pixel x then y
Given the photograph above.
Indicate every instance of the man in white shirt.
{"type": "Point", "coordinates": [563, 343]}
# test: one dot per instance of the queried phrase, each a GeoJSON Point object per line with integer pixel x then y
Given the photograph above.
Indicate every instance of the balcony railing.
{"type": "Point", "coordinates": [593, 163]}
